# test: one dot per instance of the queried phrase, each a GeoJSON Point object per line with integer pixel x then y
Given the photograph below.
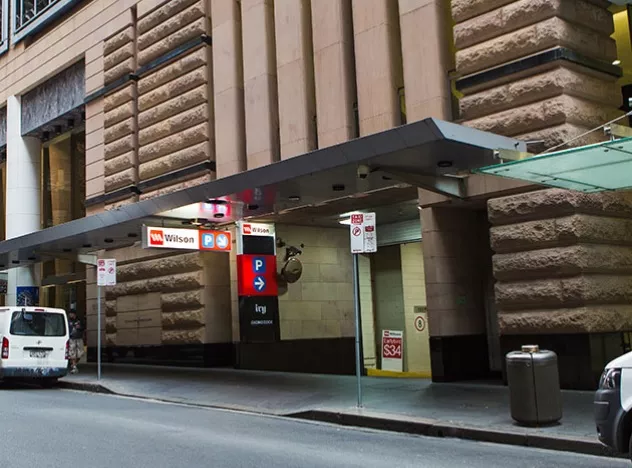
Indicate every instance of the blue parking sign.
{"type": "Point", "coordinates": [208, 240]}
{"type": "Point", "coordinates": [259, 265]}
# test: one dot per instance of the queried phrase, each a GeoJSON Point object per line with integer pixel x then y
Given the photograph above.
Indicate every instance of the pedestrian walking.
{"type": "Point", "coordinates": [75, 329]}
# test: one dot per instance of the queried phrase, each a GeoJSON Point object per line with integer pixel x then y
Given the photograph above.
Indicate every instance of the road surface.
{"type": "Point", "coordinates": [55, 428]}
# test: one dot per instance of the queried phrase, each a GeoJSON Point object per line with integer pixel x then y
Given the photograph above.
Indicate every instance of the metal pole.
{"type": "Point", "coordinates": [98, 332]}
{"type": "Point", "coordinates": [356, 303]}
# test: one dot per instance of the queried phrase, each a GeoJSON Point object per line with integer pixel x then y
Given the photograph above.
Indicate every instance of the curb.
{"type": "Point", "coordinates": [85, 387]}
{"type": "Point", "coordinates": [428, 428]}
{"type": "Point", "coordinates": [440, 429]}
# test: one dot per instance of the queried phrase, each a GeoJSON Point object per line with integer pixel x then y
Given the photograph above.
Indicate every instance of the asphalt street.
{"type": "Point", "coordinates": [53, 428]}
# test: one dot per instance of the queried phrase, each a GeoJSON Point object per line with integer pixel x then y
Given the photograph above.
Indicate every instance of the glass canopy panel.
{"type": "Point", "coordinates": [592, 168]}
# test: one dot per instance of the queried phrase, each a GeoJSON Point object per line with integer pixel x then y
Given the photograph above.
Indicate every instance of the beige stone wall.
{"type": "Point", "coordinates": [320, 304]}
{"type": "Point", "coordinates": [563, 262]}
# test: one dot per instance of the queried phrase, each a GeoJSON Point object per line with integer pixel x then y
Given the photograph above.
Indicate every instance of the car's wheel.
{"type": "Point", "coordinates": [48, 382]}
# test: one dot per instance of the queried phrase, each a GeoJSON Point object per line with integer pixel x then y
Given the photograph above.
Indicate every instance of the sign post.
{"type": "Point", "coordinates": [106, 276]}
{"type": "Point", "coordinates": [363, 240]}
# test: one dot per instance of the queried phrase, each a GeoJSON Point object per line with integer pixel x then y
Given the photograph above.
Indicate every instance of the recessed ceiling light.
{"type": "Point", "coordinates": [294, 198]}
{"type": "Point", "coordinates": [338, 187]}
{"type": "Point", "coordinates": [216, 201]}
{"type": "Point", "coordinates": [616, 62]}
{"type": "Point", "coordinates": [444, 164]}
{"type": "Point", "coordinates": [218, 215]}
{"type": "Point", "coordinates": [108, 240]}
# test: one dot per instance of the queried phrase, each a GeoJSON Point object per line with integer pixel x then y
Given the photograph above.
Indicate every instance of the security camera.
{"type": "Point", "coordinates": [363, 171]}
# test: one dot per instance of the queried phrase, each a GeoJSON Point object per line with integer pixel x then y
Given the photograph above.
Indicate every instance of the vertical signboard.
{"type": "Point", "coordinates": [257, 283]}
{"type": "Point", "coordinates": [106, 272]}
{"type": "Point", "coordinates": [363, 233]}
{"type": "Point", "coordinates": [392, 350]}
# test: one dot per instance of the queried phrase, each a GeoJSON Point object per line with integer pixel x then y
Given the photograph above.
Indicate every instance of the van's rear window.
{"type": "Point", "coordinates": [37, 324]}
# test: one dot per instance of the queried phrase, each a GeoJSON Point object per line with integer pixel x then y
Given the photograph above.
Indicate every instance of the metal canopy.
{"type": "Point", "coordinates": [593, 168]}
{"type": "Point", "coordinates": [426, 148]}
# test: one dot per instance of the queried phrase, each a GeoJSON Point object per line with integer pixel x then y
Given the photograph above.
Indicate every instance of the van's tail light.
{"type": "Point", "coordinates": [5, 348]}
{"type": "Point", "coordinates": [67, 349]}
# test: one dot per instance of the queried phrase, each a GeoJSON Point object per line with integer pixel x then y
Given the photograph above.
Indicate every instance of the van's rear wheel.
{"type": "Point", "coordinates": [48, 382]}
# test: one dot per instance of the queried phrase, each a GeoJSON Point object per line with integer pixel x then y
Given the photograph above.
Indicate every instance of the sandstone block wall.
{"type": "Point", "coordinates": [164, 298]}
{"type": "Point", "coordinates": [120, 116]}
{"type": "Point", "coordinates": [563, 262]}
{"type": "Point", "coordinates": [553, 102]}
{"type": "Point", "coordinates": [175, 102]}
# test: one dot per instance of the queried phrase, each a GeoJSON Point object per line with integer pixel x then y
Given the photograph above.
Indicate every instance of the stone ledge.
{"type": "Point", "coordinates": [548, 203]}
{"type": "Point", "coordinates": [539, 87]}
{"type": "Point", "coordinates": [183, 336]}
{"type": "Point", "coordinates": [172, 283]}
{"type": "Point", "coordinates": [185, 300]}
{"type": "Point", "coordinates": [567, 230]}
{"type": "Point", "coordinates": [538, 37]}
{"type": "Point", "coordinates": [174, 161]}
{"type": "Point", "coordinates": [546, 113]}
{"type": "Point", "coordinates": [118, 40]}
{"type": "Point", "coordinates": [178, 184]}
{"type": "Point", "coordinates": [179, 37]}
{"type": "Point", "coordinates": [180, 102]}
{"type": "Point", "coordinates": [173, 143]}
{"type": "Point", "coordinates": [168, 9]}
{"type": "Point", "coordinates": [520, 14]}
{"type": "Point", "coordinates": [183, 263]}
{"type": "Point", "coordinates": [172, 71]}
{"type": "Point", "coordinates": [594, 319]}
{"type": "Point", "coordinates": [185, 319]}
{"type": "Point", "coordinates": [170, 24]}
{"type": "Point", "coordinates": [463, 10]}
{"type": "Point", "coordinates": [564, 292]}
{"type": "Point", "coordinates": [184, 120]}
{"type": "Point", "coordinates": [118, 114]}
{"type": "Point", "coordinates": [563, 261]}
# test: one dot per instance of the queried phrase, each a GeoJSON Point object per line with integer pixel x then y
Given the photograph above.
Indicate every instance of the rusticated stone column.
{"type": "Point", "coordinates": [563, 265]}
{"type": "Point", "coordinates": [561, 81]}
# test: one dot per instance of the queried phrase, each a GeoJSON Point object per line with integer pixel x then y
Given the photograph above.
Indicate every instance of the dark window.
{"type": "Point", "coordinates": [25, 323]}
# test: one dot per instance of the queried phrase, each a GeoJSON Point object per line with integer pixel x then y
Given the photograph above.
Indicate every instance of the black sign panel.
{"type": "Point", "coordinates": [259, 319]}
{"type": "Point", "coordinates": [261, 245]}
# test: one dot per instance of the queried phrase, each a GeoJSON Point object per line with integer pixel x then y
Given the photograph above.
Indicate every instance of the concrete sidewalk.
{"type": "Point", "coordinates": [475, 411]}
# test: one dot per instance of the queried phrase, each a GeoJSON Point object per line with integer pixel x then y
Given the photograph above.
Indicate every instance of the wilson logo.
{"type": "Point", "coordinates": [156, 237]}
{"type": "Point", "coordinates": [247, 229]}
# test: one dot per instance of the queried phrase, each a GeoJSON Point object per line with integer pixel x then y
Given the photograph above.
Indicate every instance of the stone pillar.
{"type": "Point", "coordinates": [454, 246]}
{"type": "Point", "coordinates": [23, 191]}
{"type": "Point", "coordinates": [563, 265]}
{"type": "Point", "coordinates": [378, 64]}
{"type": "Point", "coordinates": [333, 71]}
{"type": "Point", "coordinates": [260, 84]}
{"type": "Point", "coordinates": [295, 72]}
{"type": "Point", "coordinates": [426, 58]}
{"type": "Point", "coordinates": [228, 85]}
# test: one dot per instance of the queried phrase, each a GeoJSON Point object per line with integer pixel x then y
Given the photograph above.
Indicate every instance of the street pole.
{"type": "Point", "coordinates": [98, 332]}
{"type": "Point", "coordinates": [356, 302]}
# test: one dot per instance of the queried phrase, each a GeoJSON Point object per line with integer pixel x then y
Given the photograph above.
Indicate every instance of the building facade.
{"type": "Point", "coordinates": [107, 103]}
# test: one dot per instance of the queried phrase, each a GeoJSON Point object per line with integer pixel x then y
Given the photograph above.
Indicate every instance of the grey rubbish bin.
{"type": "Point", "coordinates": [534, 386]}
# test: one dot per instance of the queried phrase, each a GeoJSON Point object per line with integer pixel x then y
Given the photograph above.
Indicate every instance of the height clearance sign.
{"type": "Point", "coordinates": [186, 239]}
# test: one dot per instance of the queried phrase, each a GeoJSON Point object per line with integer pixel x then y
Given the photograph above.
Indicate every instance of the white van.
{"type": "Point", "coordinates": [34, 344]}
{"type": "Point", "coordinates": [613, 405]}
